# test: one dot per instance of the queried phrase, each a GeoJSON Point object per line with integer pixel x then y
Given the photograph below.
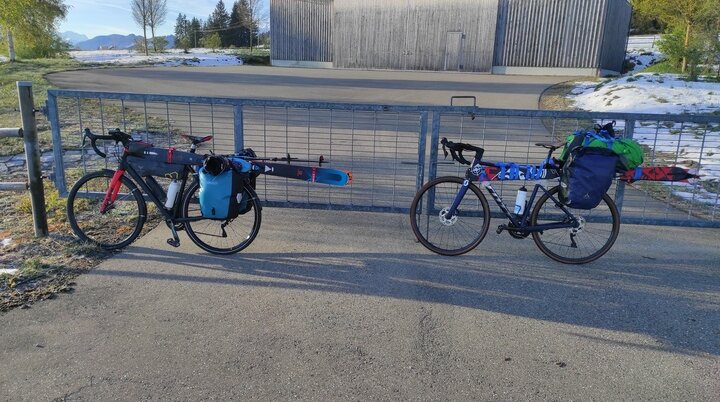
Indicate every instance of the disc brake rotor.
{"type": "Point", "coordinates": [445, 221]}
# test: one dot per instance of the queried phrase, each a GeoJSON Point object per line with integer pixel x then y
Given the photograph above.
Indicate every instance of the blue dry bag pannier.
{"type": "Point", "coordinates": [216, 194]}
{"type": "Point", "coordinates": [587, 175]}
{"type": "Point", "coordinates": [222, 182]}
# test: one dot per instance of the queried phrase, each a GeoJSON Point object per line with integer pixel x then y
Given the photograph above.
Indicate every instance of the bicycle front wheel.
{"type": "Point", "coordinates": [122, 221]}
{"type": "Point", "coordinates": [456, 235]}
{"type": "Point", "coordinates": [598, 230]}
{"type": "Point", "coordinates": [221, 236]}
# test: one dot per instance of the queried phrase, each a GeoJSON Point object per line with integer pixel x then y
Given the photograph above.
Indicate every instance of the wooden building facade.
{"type": "Point", "coordinates": [503, 36]}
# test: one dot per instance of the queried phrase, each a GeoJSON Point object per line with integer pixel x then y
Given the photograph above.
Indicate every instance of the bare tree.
{"type": "Point", "coordinates": [140, 11]}
{"type": "Point", "coordinates": [258, 18]}
{"type": "Point", "coordinates": [157, 11]}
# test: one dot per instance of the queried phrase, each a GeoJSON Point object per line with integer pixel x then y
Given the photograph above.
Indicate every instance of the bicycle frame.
{"type": "Point", "coordinates": [519, 223]}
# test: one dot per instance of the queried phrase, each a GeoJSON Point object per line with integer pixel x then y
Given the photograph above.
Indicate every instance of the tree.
{"type": "Point", "coordinates": [212, 41]}
{"type": "Point", "coordinates": [219, 22]}
{"type": "Point", "coordinates": [140, 11]}
{"type": "Point", "coordinates": [236, 31]}
{"type": "Point", "coordinates": [182, 32]}
{"type": "Point", "coordinates": [31, 23]}
{"type": "Point", "coordinates": [157, 12]}
{"type": "Point", "coordinates": [257, 17]}
{"type": "Point", "coordinates": [689, 15]}
{"type": "Point", "coordinates": [195, 31]}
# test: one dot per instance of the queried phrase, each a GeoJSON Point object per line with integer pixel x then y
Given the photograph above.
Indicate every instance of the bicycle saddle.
{"type": "Point", "coordinates": [197, 140]}
{"type": "Point", "coordinates": [550, 145]}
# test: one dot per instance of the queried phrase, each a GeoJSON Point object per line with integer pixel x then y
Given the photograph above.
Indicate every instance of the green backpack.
{"type": "Point", "coordinates": [628, 150]}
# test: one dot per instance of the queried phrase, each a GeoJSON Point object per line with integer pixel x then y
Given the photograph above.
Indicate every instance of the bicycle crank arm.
{"type": "Point", "coordinates": [175, 241]}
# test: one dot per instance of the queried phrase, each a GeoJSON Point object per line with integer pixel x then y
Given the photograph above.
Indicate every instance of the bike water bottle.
{"type": "Point", "coordinates": [520, 200]}
{"type": "Point", "coordinates": [172, 193]}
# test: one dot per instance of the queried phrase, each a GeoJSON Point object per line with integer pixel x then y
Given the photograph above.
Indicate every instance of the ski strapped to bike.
{"type": "Point", "coordinates": [513, 171]}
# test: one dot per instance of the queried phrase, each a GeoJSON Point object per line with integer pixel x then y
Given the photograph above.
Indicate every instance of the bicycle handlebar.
{"type": "Point", "coordinates": [113, 135]}
{"type": "Point", "coordinates": [457, 148]}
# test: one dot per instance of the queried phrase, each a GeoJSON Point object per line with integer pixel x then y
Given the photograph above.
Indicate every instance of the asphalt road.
{"type": "Point", "coordinates": [322, 85]}
{"type": "Point", "coordinates": [347, 306]}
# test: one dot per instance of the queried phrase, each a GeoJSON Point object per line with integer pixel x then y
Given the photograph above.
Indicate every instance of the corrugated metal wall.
{"type": "Point", "coordinates": [465, 35]}
{"type": "Point", "coordinates": [617, 24]}
{"type": "Point", "coordinates": [301, 30]}
{"type": "Point", "coordinates": [552, 33]}
{"type": "Point", "coordinates": [415, 35]}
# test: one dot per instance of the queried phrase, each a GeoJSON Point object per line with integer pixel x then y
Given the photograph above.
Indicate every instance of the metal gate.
{"type": "Point", "coordinates": [390, 149]}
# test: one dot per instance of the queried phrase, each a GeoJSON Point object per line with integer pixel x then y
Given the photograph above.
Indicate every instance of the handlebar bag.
{"type": "Point", "coordinates": [586, 176]}
{"type": "Point", "coordinates": [221, 196]}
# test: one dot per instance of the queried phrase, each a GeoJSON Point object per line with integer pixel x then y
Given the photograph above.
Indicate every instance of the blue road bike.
{"type": "Point", "coordinates": [450, 215]}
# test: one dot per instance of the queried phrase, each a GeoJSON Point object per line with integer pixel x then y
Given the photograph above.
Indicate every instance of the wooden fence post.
{"type": "Point", "coordinates": [32, 157]}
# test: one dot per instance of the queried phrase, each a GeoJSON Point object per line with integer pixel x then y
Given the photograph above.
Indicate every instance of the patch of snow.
{"type": "Point", "coordinates": [172, 57]}
{"type": "Point", "coordinates": [6, 242]}
{"type": "Point", "coordinates": [686, 144]}
{"type": "Point", "coordinates": [648, 93]}
{"type": "Point", "coordinates": [642, 59]}
{"type": "Point", "coordinates": [3, 59]}
{"type": "Point", "coordinates": [8, 271]}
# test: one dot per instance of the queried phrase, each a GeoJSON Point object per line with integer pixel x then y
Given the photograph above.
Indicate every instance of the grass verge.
{"type": "Point", "coordinates": [33, 71]}
{"type": "Point", "coordinates": [44, 266]}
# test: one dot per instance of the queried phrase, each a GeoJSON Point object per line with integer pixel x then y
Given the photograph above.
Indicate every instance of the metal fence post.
{"type": "Point", "coordinates": [54, 120]}
{"type": "Point", "coordinates": [422, 141]}
{"type": "Point", "coordinates": [238, 125]}
{"type": "Point", "coordinates": [32, 156]}
{"type": "Point", "coordinates": [434, 141]}
{"type": "Point", "coordinates": [620, 189]}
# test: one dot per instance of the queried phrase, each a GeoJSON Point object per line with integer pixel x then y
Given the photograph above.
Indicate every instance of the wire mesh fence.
{"type": "Point", "coordinates": [391, 150]}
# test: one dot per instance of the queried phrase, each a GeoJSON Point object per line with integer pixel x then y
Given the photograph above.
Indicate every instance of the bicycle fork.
{"type": "Point", "coordinates": [112, 192]}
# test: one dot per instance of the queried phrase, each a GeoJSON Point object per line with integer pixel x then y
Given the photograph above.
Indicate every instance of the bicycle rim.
{"type": "Point", "coordinates": [598, 231]}
{"type": "Point", "coordinates": [123, 219]}
{"type": "Point", "coordinates": [221, 236]}
{"type": "Point", "coordinates": [461, 233]}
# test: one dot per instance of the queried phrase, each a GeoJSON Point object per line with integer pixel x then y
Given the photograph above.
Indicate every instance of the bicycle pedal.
{"type": "Point", "coordinates": [173, 242]}
{"type": "Point", "coordinates": [500, 229]}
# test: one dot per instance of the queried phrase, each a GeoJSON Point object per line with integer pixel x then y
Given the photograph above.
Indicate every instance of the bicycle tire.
{"type": "Point", "coordinates": [206, 231]}
{"type": "Point", "coordinates": [120, 225]}
{"type": "Point", "coordinates": [473, 217]}
{"type": "Point", "coordinates": [558, 243]}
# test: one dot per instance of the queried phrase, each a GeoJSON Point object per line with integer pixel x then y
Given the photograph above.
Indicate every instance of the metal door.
{"type": "Point", "coordinates": [454, 51]}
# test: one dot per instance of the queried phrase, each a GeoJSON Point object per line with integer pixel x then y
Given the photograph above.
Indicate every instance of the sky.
{"type": "Point", "coordinates": [93, 18]}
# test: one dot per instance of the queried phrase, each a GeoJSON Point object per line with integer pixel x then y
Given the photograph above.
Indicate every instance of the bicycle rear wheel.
{"type": "Point", "coordinates": [122, 221]}
{"type": "Point", "coordinates": [221, 236]}
{"type": "Point", "coordinates": [454, 236]}
{"type": "Point", "coordinates": [599, 228]}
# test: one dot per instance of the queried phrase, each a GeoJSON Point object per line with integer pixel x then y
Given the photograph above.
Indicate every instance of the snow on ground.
{"type": "Point", "coordinates": [648, 93]}
{"type": "Point", "coordinates": [642, 59]}
{"type": "Point", "coordinates": [696, 146]}
{"type": "Point", "coordinates": [3, 59]}
{"type": "Point", "coordinates": [171, 57]}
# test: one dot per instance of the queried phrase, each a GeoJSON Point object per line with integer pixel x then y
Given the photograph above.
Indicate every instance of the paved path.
{"type": "Point", "coordinates": [354, 86]}
{"type": "Point", "coordinates": [346, 306]}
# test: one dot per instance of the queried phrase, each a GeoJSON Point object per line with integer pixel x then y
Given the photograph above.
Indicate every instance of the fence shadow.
{"type": "Point", "coordinates": [674, 300]}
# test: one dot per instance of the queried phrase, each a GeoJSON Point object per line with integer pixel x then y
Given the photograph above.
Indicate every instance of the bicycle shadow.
{"type": "Point", "coordinates": [674, 300]}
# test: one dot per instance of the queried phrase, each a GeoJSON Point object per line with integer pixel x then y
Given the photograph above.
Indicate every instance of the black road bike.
{"type": "Point", "coordinates": [109, 207]}
{"type": "Point", "coordinates": [450, 215]}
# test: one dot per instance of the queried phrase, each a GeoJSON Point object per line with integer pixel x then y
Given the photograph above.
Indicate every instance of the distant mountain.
{"type": "Point", "coordinates": [73, 37]}
{"type": "Point", "coordinates": [117, 42]}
